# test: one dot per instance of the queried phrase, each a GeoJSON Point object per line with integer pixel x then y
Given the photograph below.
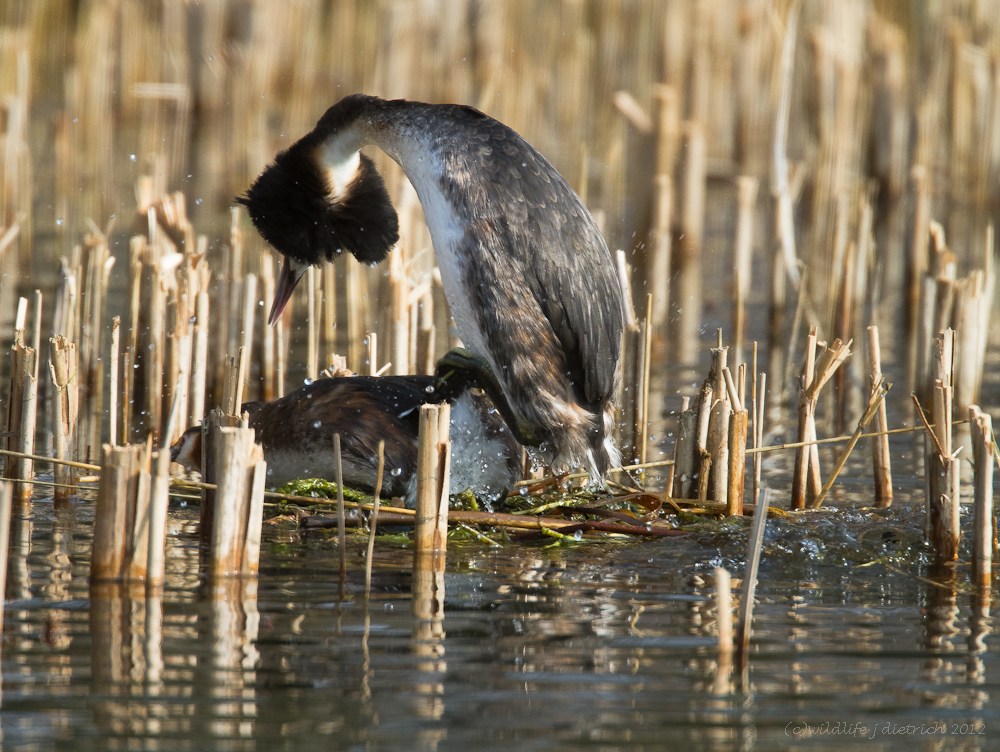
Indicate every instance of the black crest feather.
{"type": "Point", "coordinates": [292, 209]}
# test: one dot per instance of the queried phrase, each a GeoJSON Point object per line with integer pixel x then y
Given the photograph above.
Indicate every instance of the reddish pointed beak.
{"type": "Point", "coordinates": [291, 273]}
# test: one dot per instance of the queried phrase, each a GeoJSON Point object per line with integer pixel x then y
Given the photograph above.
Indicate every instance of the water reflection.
{"type": "Point", "coordinates": [519, 648]}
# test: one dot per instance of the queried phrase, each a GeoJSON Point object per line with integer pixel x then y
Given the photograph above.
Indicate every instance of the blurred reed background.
{"type": "Point", "coordinates": [730, 148]}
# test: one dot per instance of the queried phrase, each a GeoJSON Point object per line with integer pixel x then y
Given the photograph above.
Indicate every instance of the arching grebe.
{"type": "Point", "coordinates": [297, 430]}
{"type": "Point", "coordinates": [528, 277]}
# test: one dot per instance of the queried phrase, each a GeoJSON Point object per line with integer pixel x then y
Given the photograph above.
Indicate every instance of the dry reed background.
{"type": "Point", "coordinates": [651, 110]}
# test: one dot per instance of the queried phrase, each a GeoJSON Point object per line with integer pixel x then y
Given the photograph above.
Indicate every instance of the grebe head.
{"type": "Point", "coordinates": [319, 198]}
{"type": "Point", "coordinates": [187, 449]}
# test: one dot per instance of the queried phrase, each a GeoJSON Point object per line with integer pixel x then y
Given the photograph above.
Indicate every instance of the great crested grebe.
{"type": "Point", "coordinates": [297, 432]}
{"type": "Point", "coordinates": [528, 277]}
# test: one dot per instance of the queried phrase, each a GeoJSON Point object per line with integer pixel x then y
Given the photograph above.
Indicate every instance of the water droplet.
{"type": "Point", "coordinates": [317, 423]}
{"type": "Point", "coordinates": [578, 535]}
{"type": "Point", "coordinates": [197, 201]}
{"type": "Point", "coordinates": [429, 389]}
{"type": "Point", "coordinates": [131, 157]}
{"type": "Point", "coordinates": [59, 221]}
{"type": "Point", "coordinates": [307, 382]}
{"type": "Point", "coordinates": [396, 472]}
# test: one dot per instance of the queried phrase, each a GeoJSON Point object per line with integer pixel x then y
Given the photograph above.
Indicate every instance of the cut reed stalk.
{"type": "Point", "coordinates": [717, 378]}
{"type": "Point", "coordinates": [399, 310]}
{"type": "Point", "coordinates": [918, 259]}
{"type": "Point", "coordinates": [6, 505]}
{"type": "Point", "coordinates": [21, 416]}
{"type": "Point", "coordinates": [128, 390]}
{"type": "Point", "coordinates": [758, 433]}
{"type": "Point", "coordinates": [642, 429]}
{"type": "Point", "coordinates": [689, 290]}
{"type": "Point", "coordinates": [282, 339]}
{"type": "Point", "coordinates": [426, 335]}
{"type": "Point", "coordinates": [246, 331]}
{"type": "Point", "coordinates": [702, 459]}
{"type": "Point", "coordinates": [152, 360]}
{"type": "Point", "coordinates": [658, 273]}
{"type": "Point", "coordinates": [973, 302]}
{"type": "Point", "coordinates": [746, 201]}
{"type": "Point", "coordinates": [807, 418]}
{"type": "Point", "coordinates": [115, 511]}
{"type": "Point", "coordinates": [156, 547]}
{"type": "Point", "coordinates": [63, 370]}
{"type": "Point", "coordinates": [341, 533]}
{"type": "Point", "coordinates": [357, 303]}
{"type": "Point", "coordinates": [785, 262]}
{"type": "Point", "coordinates": [240, 462]}
{"type": "Point", "coordinates": [682, 446]}
{"type": "Point", "coordinates": [881, 461]}
{"type": "Point", "coordinates": [433, 469]}
{"type": "Point", "coordinates": [718, 447]}
{"type": "Point", "coordinates": [97, 268]}
{"type": "Point", "coordinates": [312, 324]}
{"type": "Point", "coordinates": [177, 358]}
{"type": "Point", "coordinates": [373, 518]}
{"type": "Point", "coordinates": [372, 353]}
{"type": "Point", "coordinates": [806, 483]}
{"type": "Point", "coordinates": [36, 329]}
{"type": "Point", "coordinates": [267, 332]}
{"type": "Point", "coordinates": [942, 523]}
{"type": "Point", "coordinates": [737, 450]}
{"type": "Point", "coordinates": [632, 361]}
{"type": "Point", "coordinates": [329, 304]}
{"type": "Point", "coordinates": [113, 392]}
{"type": "Point", "coordinates": [215, 420]}
{"type": "Point", "coordinates": [199, 360]}
{"type": "Point", "coordinates": [984, 541]}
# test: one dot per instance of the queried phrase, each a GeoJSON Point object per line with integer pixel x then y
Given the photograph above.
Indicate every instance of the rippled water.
{"type": "Point", "coordinates": [583, 646]}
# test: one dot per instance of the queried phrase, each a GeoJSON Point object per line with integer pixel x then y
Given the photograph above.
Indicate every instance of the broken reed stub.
{"type": "Point", "coordinates": [881, 462]}
{"type": "Point", "coordinates": [63, 370]}
{"type": "Point", "coordinates": [121, 514]}
{"type": "Point", "coordinates": [942, 525]}
{"type": "Point", "coordinates": [239, 503]}
{"type": "Point", "coordinates": [433, 470]}
{"type": "Point", "coordinates": [21, 416]}
{"type": "Point", "coordinates": [6, 503]}
{"type": "Point", "coordinates": [806, 483]}
{"type": "Point", "coordinates": [215, 419]}
{"type": "Point", "coordinates": [158, 499]}
{"type": "Point", "coordinates": [984, 538]}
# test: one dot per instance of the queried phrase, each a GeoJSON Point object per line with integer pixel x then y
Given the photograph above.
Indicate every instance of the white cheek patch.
{"type": "Point", "coordinates": [341, 171]}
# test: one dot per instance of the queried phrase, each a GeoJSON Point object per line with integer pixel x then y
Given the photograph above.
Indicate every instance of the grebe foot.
{"type": "Point", "coordinates": [460, 368]}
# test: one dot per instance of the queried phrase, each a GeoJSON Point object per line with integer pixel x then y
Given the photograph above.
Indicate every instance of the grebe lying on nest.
{"type": "Point", "coordinates": [296, 432]}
